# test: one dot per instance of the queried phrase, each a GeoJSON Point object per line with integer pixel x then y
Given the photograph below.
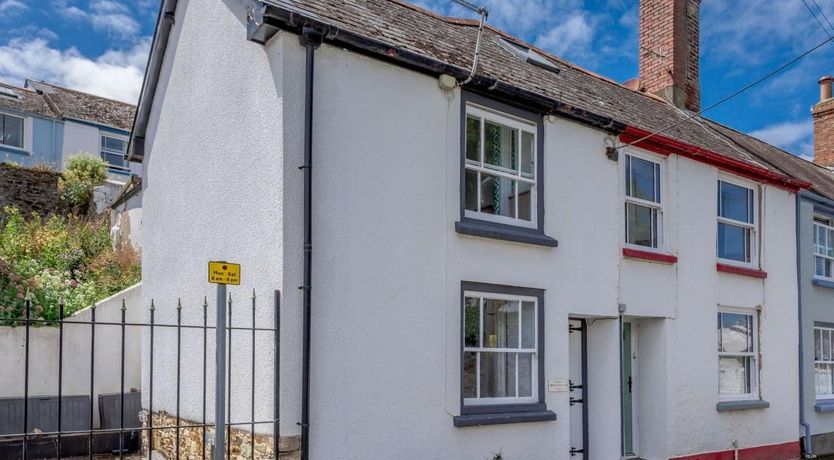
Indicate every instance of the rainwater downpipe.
{"type": "Point", "coordinates": [806, 427]}
{"type": "Point", "coordinates": [310, 39]}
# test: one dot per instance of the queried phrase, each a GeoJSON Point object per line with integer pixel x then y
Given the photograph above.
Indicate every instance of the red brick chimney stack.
{"type": "Point", "coordinates": [670, 50]}
{"type": "Point", "coordinates": [823, 114]}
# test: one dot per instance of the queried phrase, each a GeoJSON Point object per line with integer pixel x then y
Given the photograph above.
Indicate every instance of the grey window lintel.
{"type": "Point", "coordinates": [726, 406]}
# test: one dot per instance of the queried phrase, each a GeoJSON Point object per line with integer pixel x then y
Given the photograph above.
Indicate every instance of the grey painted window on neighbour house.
{"type": "Point", "coordinates": [113, 150]}
{"type": "Point", "coordinates": [824, 362]}
{"type": "Point", "coordinates": [11, 130]}
{"type": "Point", "coordinates": [824, 248]}
{"type": "Point", "coordinates": [501, 172]}
{"type": "Point", "coordinates": [502, 360]}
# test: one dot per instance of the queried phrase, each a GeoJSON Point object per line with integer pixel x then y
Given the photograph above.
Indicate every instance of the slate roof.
{"type": "Point", "coordinates": [51, 101]}
{"type": "Point", "coordinates": [452, 41]}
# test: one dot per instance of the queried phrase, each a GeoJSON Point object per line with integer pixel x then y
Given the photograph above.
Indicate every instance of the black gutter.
{"type": "Point", "coordinates": [266, 20]}
{"type": "Point", "coordinates": [310, 38]}
{"type": "Point", "coordinates": [164, 24]}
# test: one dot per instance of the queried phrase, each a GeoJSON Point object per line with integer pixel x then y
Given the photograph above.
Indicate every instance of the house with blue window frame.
{"type": "Point", "coordinates": [41, 123]}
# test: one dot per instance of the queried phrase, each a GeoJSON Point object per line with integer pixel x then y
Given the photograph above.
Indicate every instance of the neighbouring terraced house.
{"type": "Point", "coordinates": [505, 262]}
{"type": "Point", "coordinates": [42, 123]}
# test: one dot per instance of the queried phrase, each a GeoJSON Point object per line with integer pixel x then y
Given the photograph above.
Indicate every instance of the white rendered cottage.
{"type": "Point", "coordinates": [493, 268]}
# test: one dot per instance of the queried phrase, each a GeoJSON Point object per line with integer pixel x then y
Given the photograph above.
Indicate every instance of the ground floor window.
{"type": "Point", "coordinates": [502, 345]}
{"type": "Point", "coordinates": [737, 354]}
{"type": "Point", "coordinates": [823, 361]}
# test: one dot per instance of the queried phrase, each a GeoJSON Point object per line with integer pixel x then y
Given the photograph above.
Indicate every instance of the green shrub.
{"type": "Point", "coordinates": [82, 174]}
{"type": "Point", "coordinates": [58, 258]}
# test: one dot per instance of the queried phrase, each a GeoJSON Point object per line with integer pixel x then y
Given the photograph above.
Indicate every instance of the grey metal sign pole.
{"type": "Point", "coordinates": [220, 378]}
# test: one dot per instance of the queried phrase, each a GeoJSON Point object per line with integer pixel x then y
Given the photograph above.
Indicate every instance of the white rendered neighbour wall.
{"type": "Point", "coordinates": [79, 137]}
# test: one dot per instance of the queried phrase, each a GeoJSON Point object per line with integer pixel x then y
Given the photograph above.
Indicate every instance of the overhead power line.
{"type": "Point", "coordinates": [734, 94]}
{"type": "Point", "coordinates": [822, 12]}
{"type": "Point", "coordinates": [808, 7]}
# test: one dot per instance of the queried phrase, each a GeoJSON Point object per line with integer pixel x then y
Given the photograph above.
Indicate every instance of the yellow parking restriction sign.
{"type": "Point", "coordinates": [224, 273]}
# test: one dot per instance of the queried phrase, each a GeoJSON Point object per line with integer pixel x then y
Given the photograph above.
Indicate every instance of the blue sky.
{"type": "Point", "coordinates": [101, 46]}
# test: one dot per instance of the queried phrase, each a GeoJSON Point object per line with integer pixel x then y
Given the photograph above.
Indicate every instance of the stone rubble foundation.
{"type": "Point", "coordinates": [191, 441]}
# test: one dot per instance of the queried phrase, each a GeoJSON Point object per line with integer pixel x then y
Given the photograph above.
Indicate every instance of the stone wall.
{"type": "Point", "coordinates": [29, 190]}
{"type": "Point", "coordinates": [191, 441]}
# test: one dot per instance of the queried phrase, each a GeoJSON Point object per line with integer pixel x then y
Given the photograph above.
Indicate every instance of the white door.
{"type": "Point", "coordinates": [577, 391]}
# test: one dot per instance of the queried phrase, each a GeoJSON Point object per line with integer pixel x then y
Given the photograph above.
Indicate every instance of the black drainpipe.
{"type": "Point", "coordinates": [310, 39]}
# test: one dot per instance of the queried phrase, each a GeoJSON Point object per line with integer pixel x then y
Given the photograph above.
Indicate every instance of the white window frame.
{"type": "Point", "coordinates": [754, 355]}
{"type": "Point", "coordinates": [534, 352]}
{"type": "Point", "coordinates": [817, 254]}
{"type": "Point", "coordinates": [469, 165]}
{"type": "Point", "coordinates": [660, 206]}
{"type": "Point", "coordinates": [23, 134]}
{"type": "Point", "coordinates": [830, 362]}
{"type": "Point", "coordinates": [102, 150]}
{"type": "Point", "coordinates": [753, 227]}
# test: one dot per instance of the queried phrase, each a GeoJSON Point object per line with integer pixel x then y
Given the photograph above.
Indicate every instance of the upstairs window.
{"type": "Point", "coordinates": [113, 150]}
{"type": "Point", "coordinates": [11, 131]}
{"type": "Point", "coordinates": [737, 355]}
{"type": "Point", "coordinates": [643, 208]}
{"type": "Point", "coordinates": [824, 248]}
{"type": "Point", "coordinates": [500, 168]}
{"type": "Point", "coordinates": [736, 223]}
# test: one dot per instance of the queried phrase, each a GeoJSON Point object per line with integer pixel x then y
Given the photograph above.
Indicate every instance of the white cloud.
{"type": "Point", "coordinates": [108, 16]}
{"type": "Point", "coordinates": [11, 7]}
{"type": "Point", "coordinates": [575, 34]}
{"type": "Point", "coordinates": [794, 136]}
{"type": "Point", "coordinates": [116, 74]}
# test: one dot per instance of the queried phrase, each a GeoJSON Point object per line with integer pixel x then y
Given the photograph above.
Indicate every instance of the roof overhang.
{"type": "Point", "coordinates": [664, 145]}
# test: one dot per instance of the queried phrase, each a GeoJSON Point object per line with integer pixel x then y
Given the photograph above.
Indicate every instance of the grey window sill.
{"type": "Point", "coordinates": [503, 419]}
{"type": "Point", "coordinates": [504, 232]}
{"type": "Point", "coordinates": [727, 406]}
{"type": "Point", "coordinates": [824, 406]}
{"type": "Point", "coordinates": [823, 283]}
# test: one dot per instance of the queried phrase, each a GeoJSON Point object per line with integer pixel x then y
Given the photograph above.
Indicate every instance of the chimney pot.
{"type": "Point", "coordinates": [825, 88]}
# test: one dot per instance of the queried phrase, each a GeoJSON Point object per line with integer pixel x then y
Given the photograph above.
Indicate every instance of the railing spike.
{"type": "Point", "coordinates": [124, 305]}
{"type": "Point", "coordinates": [152, 305]}
{"type": "Point", "coordinates": [179, 304]}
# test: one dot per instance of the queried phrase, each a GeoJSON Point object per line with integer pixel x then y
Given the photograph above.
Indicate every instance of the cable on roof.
{"type": "Point", "coordinates": [484, 13]}
{"type": "Point", "coordinates": [731, 95]}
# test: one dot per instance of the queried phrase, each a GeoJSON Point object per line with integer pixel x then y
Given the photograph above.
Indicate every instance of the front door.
{"type": "Point", "coordinates": [628, 389]}
{"type": "Point", "coordinates": [578, 411]}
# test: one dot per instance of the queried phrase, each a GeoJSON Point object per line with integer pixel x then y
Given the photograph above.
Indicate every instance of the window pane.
{"type": "Point", "coordinates": [642, 179]}
{"type": "Point", "coordinates": [527, 155]}
{"type": "Point", "coordinates": [528, 325]}
{"type": "Point", "coordinates": [733, 242]}
{"type": "Point", "coordinates": [470, 381]}
{"type": "Point", "coordinates": [500, 324]}
{"type": "Point", "coordinates": [641, 225]}
{"type": "Point", "coordinates": [497, 195]}
{"type": "Point", "coordinates": [114, 144]}
{"type": "Point", "coordinates": [735, 202]}
{"type": "Point", "coordinates": [823, 379]}
{"type": "Point", "coordinates": [471, 321]}
{"type": "Point", "coordinates": [473, 138]}
{"type": "Point", "coordinates": [13, 131]}
{"type": "Point", "coordinates": [498, 375]}
{"type": "Point", "coordinates": [113, 160]}
{"type": "Point", "coordinates": [501, 146]}
{"type": "Point", "coordinates": [525, 200]}
{"type": "Point", "coordinates": [820, 266]}
{"type": "Point", "coordinates": [817, 345]}
{"type": "Point", "coordinates": [471, 190]}
{"type": "Point", "coordinates": [733, 375]}
{"type": "Point", "coordinates": [826, 345]}
{"type": "Point", "coordinates": [525, 375]}
{"type": "Point", "coordinates": [736, 333]}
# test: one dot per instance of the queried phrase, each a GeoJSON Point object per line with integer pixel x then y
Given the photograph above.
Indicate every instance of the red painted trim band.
{"type": "Point", "coordinates": [786, 451]}
{"type": "Point", "coordinates": [668, 146]}
{"type": "Point", "coordinates": [741, 271]}
{"type": "Point", "coordinates": [651, 256]}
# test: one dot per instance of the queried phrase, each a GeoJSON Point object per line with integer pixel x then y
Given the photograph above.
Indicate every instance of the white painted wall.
{"type": "Point", "coordinates": [388, 264]}
{"type": "Point", "coordinates": [79, 137]}
{"type": "Point", "coordinates": [44, 345]}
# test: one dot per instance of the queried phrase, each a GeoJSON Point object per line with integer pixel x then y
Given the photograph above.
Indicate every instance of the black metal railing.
{"type": "Point", "coordinates": [63, 442]}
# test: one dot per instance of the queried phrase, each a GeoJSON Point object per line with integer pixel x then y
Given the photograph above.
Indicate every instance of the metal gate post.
{"type": "Point", "coordinates": [220, 375]}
